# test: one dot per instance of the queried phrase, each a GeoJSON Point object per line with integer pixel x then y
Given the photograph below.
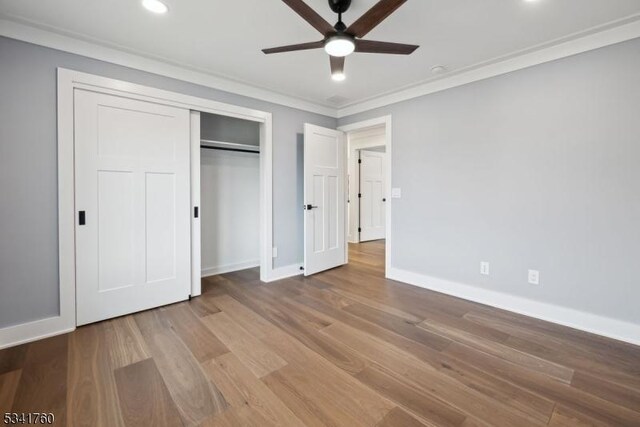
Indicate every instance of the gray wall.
{"type": "Point", "coordinates": [535, 169]}
{"type": "Point", "coordinates": [28, 175]}
{"type": "Point", "coordinates": [229, 129]}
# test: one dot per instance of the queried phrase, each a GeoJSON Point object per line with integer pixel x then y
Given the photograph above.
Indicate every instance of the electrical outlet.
{"type": "Point", "coordinates": [274, 252]}
{"type": "Point", "coordinates": [484, 268]}
{"type": "Point", "coordinates": [534, 277]}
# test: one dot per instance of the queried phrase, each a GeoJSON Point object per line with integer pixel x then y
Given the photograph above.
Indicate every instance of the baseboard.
{"type": "Point", "coordinates": [212, 271]}
{"type": "Point", "coordinates": [284, 272]}
{"type": "Point", "coordinates": [33, 331]}
{"type": "Point", "coordinates": [588, 322]}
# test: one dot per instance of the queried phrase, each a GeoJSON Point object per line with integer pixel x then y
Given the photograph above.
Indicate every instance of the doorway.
{"type": "Point", "coordinates": [229, 194]}
{"type": "Point", "coordinates": [369, 186]}
{"type": "Point", "coordinates": [335, 185]}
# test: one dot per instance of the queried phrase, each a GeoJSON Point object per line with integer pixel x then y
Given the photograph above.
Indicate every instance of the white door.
{"type": "Point", "coordinates": [373, 199]}
{"type": "Point", "coordinates": [133, 205]}
{"type": "Point", "coordinates": [325, 199]}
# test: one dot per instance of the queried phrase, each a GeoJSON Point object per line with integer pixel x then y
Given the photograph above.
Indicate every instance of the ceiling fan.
{"type": "Point", "coordinates": [339, 40]}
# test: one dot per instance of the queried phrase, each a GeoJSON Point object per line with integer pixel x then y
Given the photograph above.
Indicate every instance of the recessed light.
{"type": "Point", "coordinates": [155, 6]}
{"type": "Point", "coordinates": [338, 77]}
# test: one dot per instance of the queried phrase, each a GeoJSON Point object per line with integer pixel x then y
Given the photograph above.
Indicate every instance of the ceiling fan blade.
{"type": "Point", "coordinates": [294, 47]}
{"type": "Point", "coordinates": [370, 46]}
{"type": "Point", "coordinates": [337, 64]}
{"type": "Point", "coordinates": [374, 16]}
{"type": "Point", "coordinates": [310, 15]}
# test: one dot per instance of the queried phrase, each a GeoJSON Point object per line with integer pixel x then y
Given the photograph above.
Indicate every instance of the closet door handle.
{"type": "Point", "coordinates": [81, 218]}
{"type": "Point", "coordinates": [196, 212]}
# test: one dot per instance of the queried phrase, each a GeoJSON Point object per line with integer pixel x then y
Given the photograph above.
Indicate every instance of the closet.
{"type": "Point", "coordinates": [229, 194]}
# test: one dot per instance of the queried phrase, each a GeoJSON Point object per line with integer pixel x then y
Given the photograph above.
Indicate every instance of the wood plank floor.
{"type": "Point", "coordinates": [343, 348]}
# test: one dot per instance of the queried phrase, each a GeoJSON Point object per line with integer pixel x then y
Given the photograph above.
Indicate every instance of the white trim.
{"type": "Point", "coordinates": [196, 236]}
{"type": "Point", "coordinates": [603, 35]}
{"type": "Point", "coordinates": [366, 124]}
{"type": "Point", "coordinates": [266, 199]}
{"type": "Point", "coordinates": [552, 51]}
{"type": "Point", "coordinates": [593, 323]}
{"type": "Point", "coordinates": [28, 32]}
{"type": "Point", "coordinates": [33, 331]}
{"type": "Point", "coordinates": [229, 268]}
{"type": "Point", "coordinates": [285, 272]}
{"type": "Point", "coordinates": [111, 86]}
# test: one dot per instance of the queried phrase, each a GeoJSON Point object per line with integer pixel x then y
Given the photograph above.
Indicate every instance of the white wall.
{"type": "Point", "coordinates": [230, 220]}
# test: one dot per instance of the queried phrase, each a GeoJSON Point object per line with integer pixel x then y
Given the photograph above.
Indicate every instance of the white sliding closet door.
{"type": "Point", "coordinates": [133, 205]}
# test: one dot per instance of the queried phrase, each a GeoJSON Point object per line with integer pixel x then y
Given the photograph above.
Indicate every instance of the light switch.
{"type": "Point", "coordinates": [484, 268]}
{"type": "Point", "coordinates": [396, 193]}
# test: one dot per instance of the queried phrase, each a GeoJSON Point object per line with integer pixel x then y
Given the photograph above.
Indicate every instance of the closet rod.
{"type": "Point", "coordinates": [230, 146]}
{"type": "Point", "coordinates": [208, 147]}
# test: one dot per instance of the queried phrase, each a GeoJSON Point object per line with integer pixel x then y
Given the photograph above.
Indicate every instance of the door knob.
{"type": "Point", "coordinates": [310, 207]}
{"type": "Point", "coordinates": [384, 200]}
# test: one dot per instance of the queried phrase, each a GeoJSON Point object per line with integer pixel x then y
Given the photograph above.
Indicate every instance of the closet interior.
{"type": "Point", "coordinates": [230, 193]}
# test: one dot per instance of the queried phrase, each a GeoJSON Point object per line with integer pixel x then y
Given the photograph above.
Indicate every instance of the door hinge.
{"type": "Point", "coordinates": [359, 160]}
{"type": "Point", "coordinates": [359, 195]}
{"type": "Point", "coordinates": [359, 230]}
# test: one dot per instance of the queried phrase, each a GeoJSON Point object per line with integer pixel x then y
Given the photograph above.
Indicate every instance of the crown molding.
{"type": "Point", "coordinates": [606, 35]}
{"type": "Point", "coordinates": [51, 39]}
{"type": "Point", "coordinates": [595, 38]}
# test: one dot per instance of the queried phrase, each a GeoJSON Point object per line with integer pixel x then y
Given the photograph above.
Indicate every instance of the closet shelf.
{"type": "Point", "coordinates": [229, 146]}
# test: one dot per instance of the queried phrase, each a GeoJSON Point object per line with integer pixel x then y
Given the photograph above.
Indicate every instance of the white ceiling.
{"type": "Point", "coordinates": [224, 38]}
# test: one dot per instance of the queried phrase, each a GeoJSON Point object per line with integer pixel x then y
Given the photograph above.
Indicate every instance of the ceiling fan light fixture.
{"type": "Point", "coordinates": [155, 6]}
{"type": "Point", "coordinates": [338, 77]}
{"type": "Point", "coordinates": [339, 45]}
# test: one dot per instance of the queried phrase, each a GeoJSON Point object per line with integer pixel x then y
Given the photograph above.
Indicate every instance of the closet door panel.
{"type": "Point", "coordinates": [133, 185]}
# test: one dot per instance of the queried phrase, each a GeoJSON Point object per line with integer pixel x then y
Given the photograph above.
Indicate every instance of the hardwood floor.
{"type": "Point", "coordinates": [343, 348]}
